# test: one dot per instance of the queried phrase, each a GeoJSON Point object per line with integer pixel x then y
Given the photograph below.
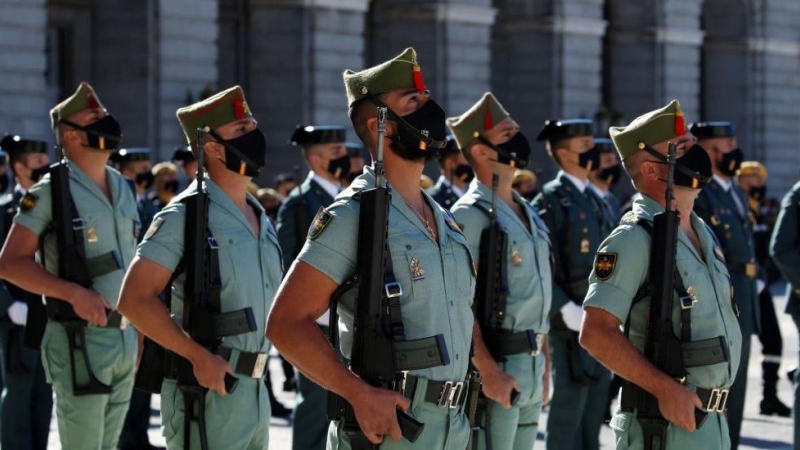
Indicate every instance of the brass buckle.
{"type": "Point", "coordinates": [259, 366]}
{"type": "Point", "coordinates": [751, 270]}
{"type": "Point", "coordinates": [451, 394]}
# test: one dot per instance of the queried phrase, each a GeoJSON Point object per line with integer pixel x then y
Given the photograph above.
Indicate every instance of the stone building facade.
{"type": "Point", "coordinates": [609, 60]}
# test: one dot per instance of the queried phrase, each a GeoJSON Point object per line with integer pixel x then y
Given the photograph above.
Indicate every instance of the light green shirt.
{"type": "Point", "coordinates": [711, 316]}
{"type": "Point", "coordinates": [107, 226]}
{"type": "Point", "coordinates": [438, 280]}
{"type": "Point", "coordinates": [249, 263]}
{"type": "Point", "coordinates": [527, 259]}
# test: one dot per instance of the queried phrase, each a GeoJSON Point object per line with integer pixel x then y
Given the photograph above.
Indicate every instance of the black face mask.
{"type": "Point", "coordinates": [39, 172]}
{"type": "Point", "coordinates": [105, 134]}
{"type": "Point", "coordinates": [171, 187]}
{"type": "Point", "coordinates": [611, 175]}
{"type": "Point", "coordinates": [731, 162]}
{"type": "Point", "coordinates": [589, 160]}
{"type": "Point", "coordinates": [692, 170]}
{"type": "Point", "coordinates": [145, 178]}
{"type": "Point", "coordinates": [514, 152]}
{"type": "Point", "coordinates": [758, 193]}
{"type": "Point", "coordinates": [339, 167]}
{"type": "Point", "coordinates": [246, 154]}
{"type": "Point", "coordinates": [421, 134]}
{"type": "Point", "coordinates": [464, 173]}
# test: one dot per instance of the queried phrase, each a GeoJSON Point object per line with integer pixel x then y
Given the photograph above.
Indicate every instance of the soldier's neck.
{"type": "Point", "coordinates": [404, 177]}
{"type": "Point", "coordinates": [576, 171]}
{"type": "Point", "coordinates": [233, 184]}
{"type": "Point", "coordinates": [92, 163]}
{"type": "Point", "coordinates": [723, 177]}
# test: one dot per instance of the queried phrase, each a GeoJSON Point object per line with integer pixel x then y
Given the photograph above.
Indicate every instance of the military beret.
{"type": "Point", "coordinates": [355, 149]}
{"type": "Point", "coordinates": [753, 169]}
{"type": "Point", "coordinates": [708, 130]}
{"type": "Point", "coordinates": [604, 145]}
{"type": "Point", "coordinates": [16, 145]}
{"type": "Point", "coordinates": [182, 155]}
{"type": "Point", "coordinates": [650, 128]}
{"type": "Point", "coordinates": [479, 118]}
{"type": "Point", "coordinates": [218, 110]}
{"type": "Point", "coordinates": [401, 72]}
{"type": "Point", "coordinates": [555, 129]}
{"type": "Point", "coordinates": [523, 176]}
{"type": "Point", "coordinates": [311, 135]}
{"type": "Point", "coordinates": [128, 155]}
{"type": "Point", "coordinates": [83, 98]}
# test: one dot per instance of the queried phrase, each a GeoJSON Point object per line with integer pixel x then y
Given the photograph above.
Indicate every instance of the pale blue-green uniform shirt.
{"type": "Point", "coordinates": [100, 234]}
{"type": "Point", "coordinates": [436, 301]}
{"type": "Point", "coordinates": [527, 259]}
{"type": "Point", "coordinates": [249, 263]}
{"type": "Point", "coordinates": [712, 315]}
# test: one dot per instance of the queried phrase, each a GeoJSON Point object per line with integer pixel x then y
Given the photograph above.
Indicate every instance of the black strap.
{"type": "Point", "coordinates": [393, 293]}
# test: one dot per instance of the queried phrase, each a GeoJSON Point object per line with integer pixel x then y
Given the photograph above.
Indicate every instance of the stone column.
{"type": "Point", "coordinates": [23, 96]}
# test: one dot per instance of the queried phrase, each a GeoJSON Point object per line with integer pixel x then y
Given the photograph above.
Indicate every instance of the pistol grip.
{"type": "Point", "coordinates": [514, 396]}
{"type": "Point", "coordinates": [699, 418]}
{"type": "Point", "coordinates": [410, 427]}
{"type": "Point", "coordinates": [231, 383]}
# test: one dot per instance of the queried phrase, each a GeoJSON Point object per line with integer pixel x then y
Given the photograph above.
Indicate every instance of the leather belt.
{"type": "Point", "coordinates": [248, 364]}
{"type": "Point", "coordinates": [444, 394]}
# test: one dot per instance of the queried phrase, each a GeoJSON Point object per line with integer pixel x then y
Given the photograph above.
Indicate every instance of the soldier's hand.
{"type": "Point", "coordinates": [678, 405]}
{"type": "Point", "coordinates": [210, 370]}
{"type": "Point", "coordinates": [376, 413]}
{"type": "Point", "coordinates": [90, 306]}
{"type": "Point", "coordinates": [497, 386]}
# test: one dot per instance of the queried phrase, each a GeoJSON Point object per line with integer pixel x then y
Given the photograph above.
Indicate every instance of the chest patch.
{"type": "Point", "coordinates": [321, 220]}
{"type": "Point", "coordinates": [153, 229]}
{"type": "Point", "coordinates": [604, 265]}
{"type": "Point", "coordinates": [28, 202]}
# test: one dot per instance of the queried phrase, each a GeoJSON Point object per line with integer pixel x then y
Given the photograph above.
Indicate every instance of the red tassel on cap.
{"type": "Point", "coordinates": [680, 124]}
{"type": "Point", "coordinates": [238, 109]}
{"type": "Point", "coordinates": [487, 120]}
{"type": "Point", "coordinates": [419, 83]}
{"type": "Point", "coordinates": [93, 103]}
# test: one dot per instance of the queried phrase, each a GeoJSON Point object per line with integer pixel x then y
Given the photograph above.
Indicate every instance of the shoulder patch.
{"type": "Point", "coordinates": [28, 202]}
{"type": "Point", "coordinates": [604, 265]}
{"type": "Point", "coordinates": [154, 226]}
{"type": "Point", "coordinates": [321, 220]}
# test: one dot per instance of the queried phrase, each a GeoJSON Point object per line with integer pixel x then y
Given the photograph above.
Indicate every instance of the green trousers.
{"type": "Point", "coordinates": [90, 422]}
{"type": "Point", "coordinates": [712, 435]}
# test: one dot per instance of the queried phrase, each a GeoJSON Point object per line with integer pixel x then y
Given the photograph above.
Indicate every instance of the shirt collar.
{"type": "Point", "coordinates": [458, 192]}
{"type": "Point", "coordinates": [331, 188]}
{"type": "Point", "coordinates": [726, 185]}
{"type": "Point", "coordinates": [580, 184]}
{"type": "Point", "coordinates": [600, 193]}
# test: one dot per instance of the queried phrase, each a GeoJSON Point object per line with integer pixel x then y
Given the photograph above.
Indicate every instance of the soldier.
{"type": "Point", "coordinates": [618, 292]}
{"type": "Point", "coordinates": [752, 178]}
{"type": "Point", "coordinates": [723, 205]}
{"type": "Point", "coordinates": [784, 247]}
{"type": "Point", "coordinates": [573, 214]}
{"type": "Point", "coordinates": [604, 176]}
{"type": "Point", "coordinates": [165, 184]}
{"type": "Point", "coordinates": [430, 259]}
{"type": "Point", "coordinates": [104, 224]}
{"type": "Point", "coordinates": [284, 183]}
{"type": "Point", "coordinates": [27, 400]}
{"type": "Point", "coordinates": [329, 164]}
{"type": "Point", "coordinates": [492, 143]}
{"type": "Point", "coordinates": [356, 152]}
{"type": "Point", "coordinates": [456, 174]}
{"type": "Point", "coordinates": [134, 164]}
{"type": "Point", "coordinates": [184, 158]}
{"type": "Point", "coordinates": [249, 270]}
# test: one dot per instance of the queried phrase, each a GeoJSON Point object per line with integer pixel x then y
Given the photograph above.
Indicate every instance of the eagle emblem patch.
{"type": "Point", "coordinates": [28, 202]}
{"type": "Point", "coordinates": [321, 220]}
{"type": "Point", "coordinates": [153, 228]}
{"type": "Point", "coordinates": [604, 265]}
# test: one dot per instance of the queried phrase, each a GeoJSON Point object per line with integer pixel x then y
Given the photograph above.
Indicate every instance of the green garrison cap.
{"type": "Point", "coordinates": [220, 109]}
{"type": "Point", "coordinates": [83, 98]}
{"type": "Point", "coordinates": [650, 128]}
{"type": "Point", "coordinates": [402, 72]}
{"type": "Point", "coordinates": [482, 116]}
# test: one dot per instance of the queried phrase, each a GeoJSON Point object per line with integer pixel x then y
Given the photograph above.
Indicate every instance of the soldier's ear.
{"type": "Point", "coordinates": [213, 150]}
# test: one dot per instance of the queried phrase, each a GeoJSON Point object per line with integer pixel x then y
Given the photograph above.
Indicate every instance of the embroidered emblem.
{"type": "Point", "coordinates": [714, 221]}
{"type": "Point", "coordinates": [692, 295]}
{"type": "Point", "coordinates": [28, 202]}
{"type": "Point", "coordinates": [630, 218]}
{"type": "Point", "coordinates": [516, 258]}
{"type": "Point", "coordinates": [151, 231]}
{"type": "Point", "coordinates": [581, 215]}
{"type": "Point", "coordinates": [91, 235]}
{"type": "Point", "coordinates": [321, 220]}
{"type": "Point", "coordinates": [584, 245]}
{"type": "Point", "coordinates": [604, 265]}
{"type": "Point", "coordinates": [417, 272]}
{"type": "Point", "coordinates": [719, 254]}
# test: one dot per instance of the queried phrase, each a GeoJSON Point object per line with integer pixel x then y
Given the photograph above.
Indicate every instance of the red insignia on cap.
{"type": "Point", "coordinates": [238, 108]}
{"type": "Point", "coordinates": [680, 124]}
{"type": "Point", "coordinates": [93, 103]}
{"type": "Point", "coordinates": [419, 83]}
{"type": "Point", "coordinates": [488, 124]}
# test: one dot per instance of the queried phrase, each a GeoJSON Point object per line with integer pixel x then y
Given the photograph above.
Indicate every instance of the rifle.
{"type": "Point", "coordinates": [373, 352]}
{"type": "Point", "coordinates": [203, 320]}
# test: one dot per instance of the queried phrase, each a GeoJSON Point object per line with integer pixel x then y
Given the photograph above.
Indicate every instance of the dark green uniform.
{"type": "Point", "coordinates": [443, 193]}
{"type": "Point", "coordinates": [577, 225]}
{"type": "Point", "coordinates": [295, 215]}
{"type": "Point", "coordinates": [785, 251]}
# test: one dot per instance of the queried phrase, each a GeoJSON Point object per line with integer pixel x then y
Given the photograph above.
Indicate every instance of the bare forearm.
{"type": "Point", "coordinates": [482, 360]}
{"type": "Point", "coordinates": [32, 277]}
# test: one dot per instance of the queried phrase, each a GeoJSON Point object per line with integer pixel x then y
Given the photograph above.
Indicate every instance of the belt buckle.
{"type": "Point", "coordinates": [258, 367]}
{"type": "Point", "coordinates": [123, 323]}
{"type": "Point", "coordinates": [717, 400]}
{"type": "Point", "coordinates": [393, 289]}
{"type": "Point", "coordinates": [451, 393]}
